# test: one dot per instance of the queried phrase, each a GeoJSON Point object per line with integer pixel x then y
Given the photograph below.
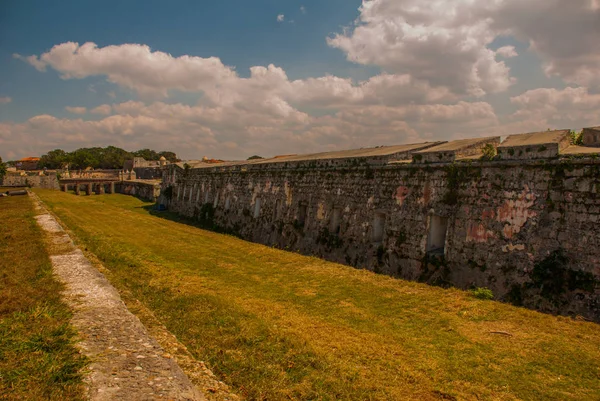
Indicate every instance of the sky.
{"type": "Point", "coordinates": [235, 78]}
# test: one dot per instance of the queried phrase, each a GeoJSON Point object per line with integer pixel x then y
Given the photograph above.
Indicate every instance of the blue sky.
{"type": "Point", "coordinates": [344, 74]}
{"type": "Point", "coordinates": [241, 36]}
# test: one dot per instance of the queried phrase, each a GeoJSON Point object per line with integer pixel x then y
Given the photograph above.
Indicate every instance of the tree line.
{"type": "Point", "coordinates": [2, 169]}
{"type": "Point", "coordinates": [109, 157]}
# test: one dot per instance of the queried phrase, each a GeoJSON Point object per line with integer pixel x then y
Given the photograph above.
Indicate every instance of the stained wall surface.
{"type": "Point", "coordinates": [37, 181]}
{"type": "Point", "coordinates": [529, 230]}
{"type": "Point", "coordinates": [148, 191]}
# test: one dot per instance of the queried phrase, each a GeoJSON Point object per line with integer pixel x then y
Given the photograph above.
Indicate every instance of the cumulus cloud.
{"type": "Point", "coordinates": [5, 99]}
{"type": "Point", "coordinates": [386, 89]}
{"type": "Point", "coordinates": [555, 106]}
{"type": "Point", "coordinates": [104, 109]}
{"type": "Point", "coordinates": [76, 110]}
{"type": "Point", "coordinates": [446, 42]}
{"type": "Point", "coordinates": [507, 52]}
{"type": "Point", "coordinates": [280, 18]}
{"type": "Point", "coordinates": [434, 56]}
{"type": "Point", "coordinates": [267, 89]}
{"type": "Point", "coordinates": [442, 42]}
{"type": "Point", "coordinates": [134, 66]}
{"type": "Point", "coordinates": [210, 130]}
{"type": "Point", "coordinates": [564, 33]}
{"type": "Point", "coordinates": [33, 60]}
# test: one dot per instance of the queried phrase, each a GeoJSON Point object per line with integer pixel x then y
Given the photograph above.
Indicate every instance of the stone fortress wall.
{"type": "Point", "coordinates": [49, 181]}
{"type": "Point", "coordinates": [145, 190]}
{"type": "Point", "coordinates": [145, 169]}
{"type": "Point", "coordinates": [525, 224]}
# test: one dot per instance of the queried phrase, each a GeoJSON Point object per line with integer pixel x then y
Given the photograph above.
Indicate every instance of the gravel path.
{"type": "Point", "coordinates": [127, 364]}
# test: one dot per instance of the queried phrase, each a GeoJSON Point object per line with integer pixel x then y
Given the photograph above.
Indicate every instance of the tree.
{"type": "Point", "coordinates": [147, 154]}
{"type": "Point", "coordinates": [2, 169]}
{"type": "Point", "coordinates": [170, 156]}
{"type": "Point", "coordinates": [255, 157]}
{"type": "Point", "coordinates": [54, 159]}
{"type": "Point", "coordinates": [114, 158]}
{"type": "Point", "coordinates": [109, 157]}
{"type": "Point", "coordinates": [86, 157]}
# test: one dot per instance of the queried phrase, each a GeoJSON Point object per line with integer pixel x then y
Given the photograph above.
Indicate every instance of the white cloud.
{"type": "Point", "coordinates": [280, 18]}
{"type": "Point", "coordinates": [443, 42]}
{"type": "Point", "coordinates": [507, 52]}
{"type": "Point", "coordinates": [33, 60]}
{"type": "Point", "coordinates": [268, 89]}
{"type": "Point", "coordinates": [104, 109]}
{"type": "Point", "coordinates": [76, 110]}
{"type": "Point", "coordinates": [5, 99]}
{"type": "Point", "coordinates": [575, 107]}
{"type": "Point", "coordinates": [210, 130]}
{"type": "Point", "coordinates": [385, 89]}
{"type": "Point", "coordinates": [446, 42]}
{"type": "Point", "coordinates": [134, 66]}
{"type": "Point", "coordinates": [564, 33]}
{"type": "Point", "coordinates": [433, 54]}
{"type": "Point", "coordinates": [303, 9]}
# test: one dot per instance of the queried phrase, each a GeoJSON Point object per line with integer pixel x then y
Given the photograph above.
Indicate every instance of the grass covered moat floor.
{"type": "Point", "coordinates": [38, 359]}
{"type": "Point", "coordinates": [277, 325]}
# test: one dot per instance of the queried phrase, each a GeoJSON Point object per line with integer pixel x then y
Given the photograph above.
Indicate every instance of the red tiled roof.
{"type": "Point", "coordinates": [30, 159]}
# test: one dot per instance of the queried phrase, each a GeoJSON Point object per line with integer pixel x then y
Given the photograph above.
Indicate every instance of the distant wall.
{"type": "Point", "coordinates": [148, 173]}
{"type": "Point", "coordinates": [528, 230]}
{"type": "Point", "coordinates": [143, 190]}
{"type": "Point", "coordinates": [113, 173]}
{"type": "Point", "coordinates": [591, 136]}
{"type": "Point", "coordinates": [37, 181]}
{"type": "Point", "coordinates": [140, 162]}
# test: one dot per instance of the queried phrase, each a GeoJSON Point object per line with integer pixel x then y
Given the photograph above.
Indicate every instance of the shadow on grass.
{"type": "Point", "coordinates": [203, 222]}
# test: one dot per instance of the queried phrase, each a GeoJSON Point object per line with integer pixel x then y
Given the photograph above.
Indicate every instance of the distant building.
{"type": "Point", "coordinates": [27, 163]}
{"type": "Point", "coordinates": [591, 136]}
{"type": "Point", "coordinates": [140, 162]}
{"type": "Point", "coordinates": [145, 169]}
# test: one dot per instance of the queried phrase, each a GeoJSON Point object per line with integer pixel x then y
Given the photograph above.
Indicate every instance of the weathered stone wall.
{"type": "Point", "coordinates": [148, 173]}
{"type": "Point", "coordinates": [91, 174]}
{"type": "Point", "coordinates": [591, 136]}
{"type": "Point", "coordinates": [148, 191]}
{"type": "Point", "coordinates": [37, 181]}
{"type": "Point", "coordinates": [528, 230]}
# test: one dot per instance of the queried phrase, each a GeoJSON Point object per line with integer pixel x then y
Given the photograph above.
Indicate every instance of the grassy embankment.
{"type": "Point", "coordinates": [278, 325]}
{"type": "Point", "coordinates": [37, 357]}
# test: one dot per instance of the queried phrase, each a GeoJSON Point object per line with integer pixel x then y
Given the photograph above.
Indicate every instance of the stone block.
{"type": "Point", "coordinates": [591, 136]}
{"type": "Point", "coordinates": [455, 150]}
{"type": "Point", "coordinates": [534, 145]}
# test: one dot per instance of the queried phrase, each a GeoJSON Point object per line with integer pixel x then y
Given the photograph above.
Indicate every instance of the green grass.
{"type": "Point", "coordinates": [277, 325]}
{"type": "Point", "coordinates": [37, 356]}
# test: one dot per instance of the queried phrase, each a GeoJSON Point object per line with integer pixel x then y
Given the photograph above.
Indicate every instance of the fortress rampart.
{"type": "Point", "coordinates": [527, 228]}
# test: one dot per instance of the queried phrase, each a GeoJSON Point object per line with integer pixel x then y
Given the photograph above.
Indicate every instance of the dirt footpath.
{"type": "Point", "coordinates": [127, 364]}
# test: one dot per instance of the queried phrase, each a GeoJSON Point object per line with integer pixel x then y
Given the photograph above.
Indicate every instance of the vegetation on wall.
{"type": "Point", "coordinates": [553, 277]}
{"type": "Point", "coordinates": [489, 152]}
{"type": "Point", "coordinates": [576, 138]}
